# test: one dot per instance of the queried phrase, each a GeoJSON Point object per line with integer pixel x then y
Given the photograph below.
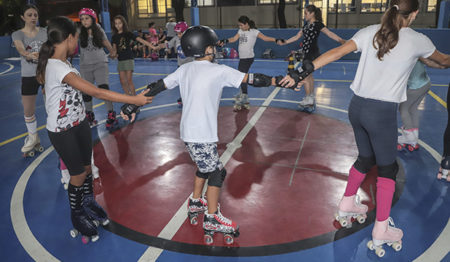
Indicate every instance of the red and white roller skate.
{"type": "Point", "coordinates": [111, 120]}
{"type": "Point", "coordinates": [91, 118]}
{"type": "Point", "coordinates": [350, 208]}
{"type": "Point", "coordinates": [385, 232]}
{"type": "Point", "coordinates": [217, 223]}
{"type": "Point", "coordinates": [409, 140]}
{"type": "Point", "coordinates": [195, 207]}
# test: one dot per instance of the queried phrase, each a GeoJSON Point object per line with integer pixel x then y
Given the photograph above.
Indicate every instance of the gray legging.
{"type": "Point", "coordinates": [409, 109]}
{"type": "Point", "coordinates": [374, 124]}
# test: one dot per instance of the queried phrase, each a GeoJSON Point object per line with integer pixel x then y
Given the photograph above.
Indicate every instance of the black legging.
{"type": "Point", "coordinates": [244, 67]}
{"type": "Point", "coordinates": [447, 130]}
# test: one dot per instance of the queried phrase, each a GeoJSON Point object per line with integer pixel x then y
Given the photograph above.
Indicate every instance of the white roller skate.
{"type": "Point", "coordinates": [350, 208]}
{"type": "Point", "coordinates": [308, 104]}
{"type": "Point", "coordinates": [217, 223]}
{"type": "Point", "coordinates": [196, 207]}
{"type": "Point", "coordinates": [385, 232]}
{"type": "Point", "coordinates": [241, 102]}
{"type": "Point", "coordinates": [444, 169]}
{"type": "Point", "coordinates": [32, 143]}
{"type": "Point", "coordinates": [409, 140]}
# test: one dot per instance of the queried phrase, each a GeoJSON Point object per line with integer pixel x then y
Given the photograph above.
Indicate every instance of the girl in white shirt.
{"type": "Point", "coordinates": [67, 126]}
{"type": "Point", "coordinates": [388, 54]}
{"type": "Point", "coordinates": [247, 36]}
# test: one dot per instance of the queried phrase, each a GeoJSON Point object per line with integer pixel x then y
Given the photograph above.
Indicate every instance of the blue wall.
{"type": "Point", "coordinates": [440, 38]}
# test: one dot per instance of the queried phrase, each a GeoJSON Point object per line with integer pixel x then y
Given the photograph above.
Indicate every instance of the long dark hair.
{"type": "Point", "coordinates": [124, 23]}
{"type": "Point", "coordinates": [59, 28]}
{"type": "Point", "coordinates": [317, 12]}
{"type": "Point", "coordinates": [392, 21]}
{"type": "Point", "coordinates": [97, 36]}
{"type": "Point", "coordinates": [245, 20]}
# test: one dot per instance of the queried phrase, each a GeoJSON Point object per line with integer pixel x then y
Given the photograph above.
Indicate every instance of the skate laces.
{"type": "Point", "coordinates": [222, 219]}
{"type": "Point", "coordinates": [391, 222]}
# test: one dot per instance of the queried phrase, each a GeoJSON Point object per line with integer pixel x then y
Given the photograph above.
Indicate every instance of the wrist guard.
{"type": "Point", "coordinates": [303, 72]}
{"type": "Point", "coordinates": [129, 109]}
{"type": "Point", "coordinates": [156, 88]}
{"type": "Point", "coordinates": [224, 41]}
{"type": "Point", "coordinates": [259, 80]}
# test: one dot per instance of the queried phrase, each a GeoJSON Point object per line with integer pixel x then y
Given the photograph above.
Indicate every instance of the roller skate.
{"type": "Point", "coordinates": [180, 102]}
{"type": "Point", "coordinates": [81, 221]}
{"type": "Point", "coordinates": [444, 170]}
{"type": "Point", "coordinates": [350, 208]}
{"type": "Point", "coordinates": [65, 176]}
{"type": "Point", "coordinates": [408, 140]}
{"type": "Point", "coordinates": [195, 207]}
{"type": "Point", "coordinates": [91, 118]}
{"type": "Point", "coordinates": [385, 232]}
{"type": "Point", "coordinates": [241, 102]}
{"type": "Point", "coordinates": [217, 223]}
{"type": "Point", "coordinates": [308, 104]}
{"type": "Point", "coordinates": [111, 120]}
{"type": "Point", "coordinates": [32, 144]}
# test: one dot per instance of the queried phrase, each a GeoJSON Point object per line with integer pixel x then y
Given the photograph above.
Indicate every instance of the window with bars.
{"type": "Point", "coordinates": [373, 6]}
{"type": "Point", "coordinates": [268, 2]}
{"type": "Point", "coordinates": [341, 6]}
{"type": "Point", "coordinates": [431, 6]}
{"type": "Point", "coordinates": [201, 3]}
{"type": "Point", "coordinates": [147, 8]}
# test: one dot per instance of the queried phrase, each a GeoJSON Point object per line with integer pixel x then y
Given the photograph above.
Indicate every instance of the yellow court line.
{"type": "Point", "coordinates": [436, 97]}
{"type": "Point", "coordinates": [440, 100]}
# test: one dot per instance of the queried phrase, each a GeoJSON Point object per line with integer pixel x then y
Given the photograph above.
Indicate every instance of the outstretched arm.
{"type": "Point", "coordinates": [270, 39]}
{"type": "Point", "coordinates": [229, 40]}
{"type": "Point", "coordinates": [294, 38]}
{"type": "Point", "coordinates": [142, 41]}
{"type": "Point", "coordinates": [332, 35]}
{"type": "Point", "coordinates": [308, 67]}
{"type": "Point", "coordinates": [440, 58]}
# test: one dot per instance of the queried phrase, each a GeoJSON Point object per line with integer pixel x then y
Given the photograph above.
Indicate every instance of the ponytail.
{"type": "Point", "coordinates": [252, 24]}
{"type": "Point", "coordinates": [47, 51]}
{"type": "Point", "coordinates": [317, 12]}
{"type": "Point", "coordinates": [392, 21]}
{"type": "Point", "coordinates": [59, 29]}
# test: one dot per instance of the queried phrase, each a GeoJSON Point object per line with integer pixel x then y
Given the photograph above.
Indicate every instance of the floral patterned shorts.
{"type": "Point", "coordinates": [205, 156]}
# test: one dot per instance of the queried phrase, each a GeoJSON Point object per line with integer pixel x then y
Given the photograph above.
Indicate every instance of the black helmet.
{"type": "Point", "coordinates": [195, 40]}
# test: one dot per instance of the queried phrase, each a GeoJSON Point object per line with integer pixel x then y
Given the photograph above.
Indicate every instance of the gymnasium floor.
{"type": "Point", "coordinates": [286, 174]}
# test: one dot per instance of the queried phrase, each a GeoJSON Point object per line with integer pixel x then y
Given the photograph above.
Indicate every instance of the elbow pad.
{"type": "Point", "coordinates": [303, 72]}
{"type": "Point", "coordinates": [156, 88]}
{"type": "Point", "coordinates": [259, 80]}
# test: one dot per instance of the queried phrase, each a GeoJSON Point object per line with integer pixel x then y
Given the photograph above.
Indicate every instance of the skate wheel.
{"type": "Point", "coordinates": [380, 252]}
{"type": "Point", "coordinates": [40, 149]}
{"type": "Point", "coordinates": [343, 222]}
{"type": "Point", "coordinates": [94, 238]}
{"type": "Point", "coordinates": [30, 154]}
{"type": "Point", "coordinates": [85, 239]}
{"type": "Point", "coordinates": [361, 219]}
{"type": "Point", "coordinates": [66, 186]}
{"type": "Point", "coordinates": [208, 239]}
{"type": "Point", "coordinates": [194, 220]}
{"type": "Point", "coordinates": [228, 239]}
{"type": "Point", "coordinates": [96, 223]}
{"type": "Point", "coordinates": [370, 245]}
{"type": "Point", "coordinates": [105, 222]}
{"type": "Point", "coordinates": [410, 148]}
{"type": "Point", "coordinates": [397, 246]}
{"type": "Point", "coordinates": [73, 233]}
{"type": "Point", "coordinates": [439, 175]}
{"type": "Point", "coordinates": [399, 147]}
{"type": "Point", "coordinates": [448, 178]}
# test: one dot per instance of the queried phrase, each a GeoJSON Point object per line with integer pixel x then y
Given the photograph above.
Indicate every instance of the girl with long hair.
{"type": "Point", "coordinates": [67, 126]}
{"type": "Point", "coordinates": [389, 52]}
{"type": "Point", "coordinates": [309, 45]}
{"type": "Point", "coordinates": [28, 42]}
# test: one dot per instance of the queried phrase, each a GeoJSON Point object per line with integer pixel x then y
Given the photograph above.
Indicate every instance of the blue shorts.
{"type": "Point", "coordinates": [205, 156]}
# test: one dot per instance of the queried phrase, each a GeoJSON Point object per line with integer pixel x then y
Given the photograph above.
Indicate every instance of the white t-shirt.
{"type": "Point", "coordinates": [63, 103]}
{"type": "Point", "coordinates": [386, 80]}
{"type": "Point", "coordinates": [247, 40]}
{"type": "Point", "coordinates": [201, 84]}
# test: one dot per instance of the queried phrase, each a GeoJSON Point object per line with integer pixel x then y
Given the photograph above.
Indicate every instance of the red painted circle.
{"type": "Point", "coordinates": [283, 184]}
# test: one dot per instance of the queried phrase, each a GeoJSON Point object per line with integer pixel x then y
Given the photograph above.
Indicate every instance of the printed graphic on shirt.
{"type": "Point", "coordinates": [180, 52]}
{"type": "Point", "coordinates": [34, 46]}
{"type": "Point", "coordinates": [71, 108]}
{"type": "Point", "coordinates": [243, 38]}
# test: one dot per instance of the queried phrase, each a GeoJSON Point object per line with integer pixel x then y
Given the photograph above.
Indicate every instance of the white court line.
{"type": "Point", "coordinates": [152, 253]}
{"type": "Point", "coordinates": [11, 67]}
{"type": "Point", "coordinates": [439, 248]}
{"type": "Point", "coordinates": [299, 152]}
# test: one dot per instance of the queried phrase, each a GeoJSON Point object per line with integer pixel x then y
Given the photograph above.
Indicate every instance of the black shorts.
{"type": "Point", "coordinates": [74, 146]}
{"type": "Point", "coordinates": [30, 86]}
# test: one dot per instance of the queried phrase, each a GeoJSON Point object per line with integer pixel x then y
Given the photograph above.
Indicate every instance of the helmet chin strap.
{"type": "Point", "coordinates": [211, 54]}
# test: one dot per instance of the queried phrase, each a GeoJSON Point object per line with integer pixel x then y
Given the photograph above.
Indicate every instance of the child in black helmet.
{"type": "Point", "coordinates": [201, 83]}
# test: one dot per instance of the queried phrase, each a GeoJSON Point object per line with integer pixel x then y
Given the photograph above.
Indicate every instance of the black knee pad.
{"type": "Point", "coordinates": [389, 171]}
{"type": "Point", "coordinates": [87, 98]}
{"type": "Point", "coordinates": [217, 177]}
{"type": "Point", "coordinates": [364, 164]}
{"type": "Point", "coordinates": [202, 175]}
{"type": "Point", "coordinates": [104, 86]}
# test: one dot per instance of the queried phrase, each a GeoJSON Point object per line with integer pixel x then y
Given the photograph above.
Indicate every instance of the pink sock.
{"type": "Point", "coordinates": [62, 165]}
{"type": "Point", "coordinates": [355, 178]}
{"type": "Point", "coordinates": [385, 193]}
